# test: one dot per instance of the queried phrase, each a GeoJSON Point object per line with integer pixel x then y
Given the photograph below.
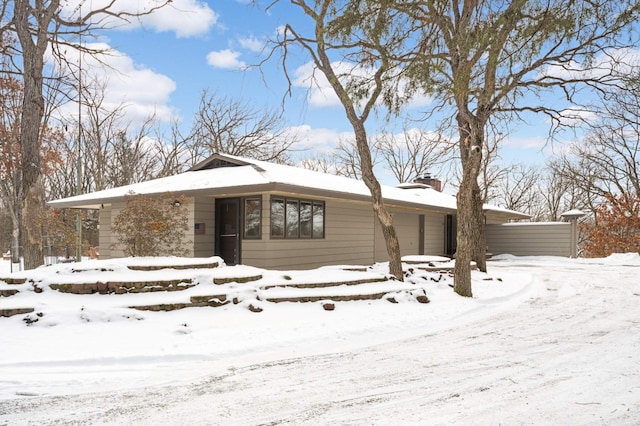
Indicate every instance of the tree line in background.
{"type": "Point", "coordinates": [115, 152]}
{"type": "Point", "coordinates": [476, 58]}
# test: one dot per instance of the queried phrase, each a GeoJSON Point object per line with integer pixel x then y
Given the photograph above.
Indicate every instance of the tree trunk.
{"type": "Point", "coordinates": [32, 194]}
{"type": "Point", "coordinates": [383, 215]}
{"type": "Point", "coordinates": [479, 254]}
{"type": "Point", "coordinates": [15, 236]}
{"type": "Point", "coordinates": [471, 240]}
{"type": "Point", "coordinates": [32, 211]}
{"type": "Point", "coordinates": [465, 235]}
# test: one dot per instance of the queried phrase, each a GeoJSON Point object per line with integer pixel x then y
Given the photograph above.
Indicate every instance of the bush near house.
{"type": "Point", "coordinates": [616, 228]}
{"type": "Point", "coordinates": [150, 226]}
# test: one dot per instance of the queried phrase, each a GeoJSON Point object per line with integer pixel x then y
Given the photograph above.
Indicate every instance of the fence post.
{"type": "Point", "coordinates": [572, 216]}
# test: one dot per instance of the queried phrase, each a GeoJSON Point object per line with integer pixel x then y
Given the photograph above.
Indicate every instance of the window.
{"type": "Point", "coordinates": [277, 218]}
{"type": "Point", "coordinates": [305, 219]}
{"type": "Point", "coordinates": [252, 218]}
{"type": "Point", "coordinates": [318, 219]}
{"type": "Point", "coordinates": [293, 218]}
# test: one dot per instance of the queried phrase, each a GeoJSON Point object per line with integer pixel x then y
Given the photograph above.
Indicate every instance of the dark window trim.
{"type": "Point", "coordinates": [244, 218]}
{"type": "Point", "coordinates": [299, 202]}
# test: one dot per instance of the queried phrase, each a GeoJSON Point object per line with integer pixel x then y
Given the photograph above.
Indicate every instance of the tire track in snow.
{"type": "Point", "coordinates": [557, 359]}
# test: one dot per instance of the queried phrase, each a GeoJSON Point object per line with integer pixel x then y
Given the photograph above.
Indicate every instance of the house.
{"type": "Point", "coordinates": [276, 216]}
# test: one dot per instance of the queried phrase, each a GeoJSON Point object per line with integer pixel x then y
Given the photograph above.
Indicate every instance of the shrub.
{"type": "Point", "coordinates": [150, 226]}
{"type": "Point", "coordinates": [617, 227]}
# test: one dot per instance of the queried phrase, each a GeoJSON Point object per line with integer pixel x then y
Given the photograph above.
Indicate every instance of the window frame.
{"type": "Point", "coordinates": [257, 198]}
{"type": "Point", "coordinates": [300, 202]}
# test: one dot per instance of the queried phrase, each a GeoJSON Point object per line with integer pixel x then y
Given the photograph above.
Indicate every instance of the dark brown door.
{"type": "Point", "coordinates": [228, 230]}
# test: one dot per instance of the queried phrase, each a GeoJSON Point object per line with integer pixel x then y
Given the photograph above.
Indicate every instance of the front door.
{"type": "Point", "coordinates": [450, 235]}
{"type": "Point", "coordinates": [228, 230]}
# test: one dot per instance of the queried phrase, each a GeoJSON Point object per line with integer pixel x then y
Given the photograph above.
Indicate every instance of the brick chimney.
{"type": "Point", "coordinates": [431, 181]}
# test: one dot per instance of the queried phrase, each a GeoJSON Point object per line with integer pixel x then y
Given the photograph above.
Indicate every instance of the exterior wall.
{"type": "Point", "coordinates": [434, 225]}
{"type": "Point", "coordinates": [204, 213]}
{"type": "Point", "coordinates": [407, 225]}
{"type": "Point", "coordinates": [530, 239]}
{"type": "Point", "coordinates": [188, 240]}
{"type": "Point", "coordinates": [104, 233]}
{"type": "Point", "coordinates": [352, 236]}
{"type": "Point", "coordinates": [109, 246]}
{"type": "Point", "coordinates": [115, 249]}
{"type": "Point", "coordinates": [256, 252]}
{"type": "Point", "coordinates": [348, 240]}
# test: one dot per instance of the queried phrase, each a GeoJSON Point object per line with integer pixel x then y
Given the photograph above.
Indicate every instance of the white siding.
{"type": "Point", "coordinates": [530, 239]}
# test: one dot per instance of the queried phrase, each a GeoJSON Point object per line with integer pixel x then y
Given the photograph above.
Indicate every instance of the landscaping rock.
{"type": "Point", "coordinates": [253, 308]}
{"type": "Point", "coordinates": [328, 306]}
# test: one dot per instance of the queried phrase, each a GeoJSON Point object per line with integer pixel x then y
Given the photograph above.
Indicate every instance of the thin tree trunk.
{"type": "Point", "coordinates": [383, 215]}
{"type": "Point", "coordinates": [15, 236]}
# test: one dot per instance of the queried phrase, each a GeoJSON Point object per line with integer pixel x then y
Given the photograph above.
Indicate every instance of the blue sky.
{"type": "Point", "coordinates": [165, 61]}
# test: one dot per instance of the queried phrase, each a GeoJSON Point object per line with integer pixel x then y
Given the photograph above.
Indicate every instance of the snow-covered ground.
{"type": "Point", "coordinates": [555, 341]}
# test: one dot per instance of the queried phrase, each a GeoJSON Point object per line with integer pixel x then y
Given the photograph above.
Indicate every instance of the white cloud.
{"type": "Point", "coordinates": [226, 59]}
{"type": "Point", "coordinates": [252, 43]}
{"type": "Point", "coordinates": [187, 18]}
{"type": "Point", "coordinates": [143, 91]}
{"type": "Point", "coordinates": [615, 62]}
{"type": "Point", "coordinates": [320, 93]}
{"type": "Point", "coordinates": [318, 139]}
{"type": "Point", "coordinates": [532, 142]}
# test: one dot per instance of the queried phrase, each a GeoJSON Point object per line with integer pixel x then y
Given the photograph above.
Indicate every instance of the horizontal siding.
{"type": "Point", "coordinates": [407, 227]}
{"type": "Point", "coordinates": [104, 234]}
{"type": "Point", "coordinates": [204, 212]}
{"type": "Point", "coordinates": [530, 239]}
{"type": "Point", "coordinates": [348, 240]}
{"type": "Point", "coordinates": [434, 234]}
{"type": "Point", "coordinates": [115, 249]}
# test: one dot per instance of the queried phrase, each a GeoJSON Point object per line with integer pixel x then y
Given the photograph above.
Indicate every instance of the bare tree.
{"type": "Point", "coordinates": [10, 177]}
{"type": "Point", "coordinates": [607, 161]}
{"type": "Point", "coordinates": [411, 153]}
{"type": "Point", "coordinates": [334, 43]}
{"type": "Point", "coordinates": [519, 189]}
{"type": "Point", "coordinates": [38, 26]}
{"type": "Point", "coordinates": [114, 151]}
{"type": "Point", "coordinates": [234, 127]}
{"type": "Point", "coordinates": [342, 161]}
{"type": "Point", "coordinates": [563, 191]}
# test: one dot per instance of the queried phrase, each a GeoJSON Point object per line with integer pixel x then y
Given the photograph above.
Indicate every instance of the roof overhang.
{"type": "Point", "coordinates": [80, 202]}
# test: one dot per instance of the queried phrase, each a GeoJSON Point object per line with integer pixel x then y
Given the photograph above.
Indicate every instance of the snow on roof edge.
{"type": "Point", "coordinates": [250, 173]}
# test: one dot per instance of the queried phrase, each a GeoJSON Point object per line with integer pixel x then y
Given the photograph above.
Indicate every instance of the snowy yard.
{"type": "Point", "coordinates": [555, 341]}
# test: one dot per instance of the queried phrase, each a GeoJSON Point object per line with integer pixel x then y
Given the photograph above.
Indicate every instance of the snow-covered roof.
{"type": "Point", "coordinates": [227, 174]}
{"type": "Point", "coordinates": [573, 213]}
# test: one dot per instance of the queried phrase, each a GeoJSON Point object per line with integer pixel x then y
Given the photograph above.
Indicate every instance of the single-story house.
{"type": "Point", "coordinates": [283, 217]}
